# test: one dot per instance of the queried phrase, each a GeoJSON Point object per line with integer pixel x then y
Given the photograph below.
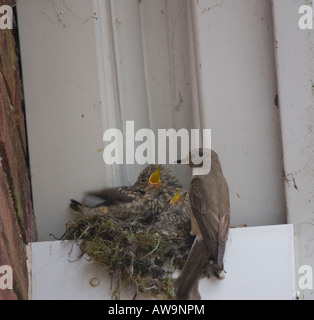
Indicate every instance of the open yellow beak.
{"type": "Point", "coordinates": [176, 197]}
{"type": "Point", "coordinates": [155, 177]}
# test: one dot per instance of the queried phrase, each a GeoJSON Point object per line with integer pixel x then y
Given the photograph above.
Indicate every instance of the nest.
{"type": "Point", "coordinates": [134, 253]}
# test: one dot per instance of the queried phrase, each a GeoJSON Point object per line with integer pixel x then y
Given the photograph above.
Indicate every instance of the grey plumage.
{"type": "Point", "coordinates": [210, 218]}
{"type": "Point", "coordinates": [140, 208]}
{"type": "Point", "coordinates": [175, 216]}
{"type": "Point", "coordinates": [140, 201]}
{"type": "Point", "coordinates": [170, 183]}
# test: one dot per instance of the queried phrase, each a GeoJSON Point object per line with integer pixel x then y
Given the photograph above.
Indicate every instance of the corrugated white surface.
{"type": "Point", "coordinates": [92, 65]}
{"type": "Point", "coordinates": [237, 85]}
{"type": "Point", "coordinates": [295, 70]}
{"type": "Point", "coordinates": [259, 263]}
{"type": "Point", "coordinates": [63, 106]}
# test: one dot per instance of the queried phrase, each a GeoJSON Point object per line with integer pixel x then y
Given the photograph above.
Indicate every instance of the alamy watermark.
{"type": "Point", "coordinates": [6, 277]}
{"type": "Point", "coordinates": [306, 277]}
{"type": "Point", "coordinates": [145, 153]}
{"type": "Point", "coordinates": [6, 17]}
{"type": "Point", "coordinates": [306, 20]}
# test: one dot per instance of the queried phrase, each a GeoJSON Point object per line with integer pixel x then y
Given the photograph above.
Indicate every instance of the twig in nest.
{"type": "Point", "coordinates": [81, 235]}
{"type": "Point", "coordinates": [151, 252]}
{"type": "Point", "coordinates": [131, 268]}
{"type": "Point", "coordinates": [79, 257]}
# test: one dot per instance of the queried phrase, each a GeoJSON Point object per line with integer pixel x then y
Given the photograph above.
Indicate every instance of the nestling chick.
{"type": "Point", "coordinates": [175, 217]}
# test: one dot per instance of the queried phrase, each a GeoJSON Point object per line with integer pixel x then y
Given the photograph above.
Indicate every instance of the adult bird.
{"type": "Point", "coordinates": [210, 219]}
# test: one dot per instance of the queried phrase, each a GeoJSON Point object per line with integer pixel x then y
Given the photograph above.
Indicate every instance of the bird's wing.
{"type": "Point", "coordinates": [223, 232]}
{"type": "Point", "coordinates": [205, 210]}
{"type": "Point", "coordinates": [114, 196]}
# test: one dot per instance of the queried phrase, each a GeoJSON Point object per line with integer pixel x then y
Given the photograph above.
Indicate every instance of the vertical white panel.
{"type": "Point", "coordinates": [237, 85]}
{"type": "Point", "coordinates": [107, 79]}
{"type": "Point", "coordinates": [151, 52]}
{"type": "Point", "coordinates": [63, 106]}
{"type": "Point", "coordinates": [295, 70]}
{"type": "Point", "coordinates": [166, 45]}
{"type": "Point", "coordinates": [128, 50]}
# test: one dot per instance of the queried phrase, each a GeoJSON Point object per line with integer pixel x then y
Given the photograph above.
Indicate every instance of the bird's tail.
{"type": "Point", "coordinates": [186, 284]}
{"type": "Point", "coordinates": [75, 205]}
{"type": "Point", "coordinates": [80, 208]}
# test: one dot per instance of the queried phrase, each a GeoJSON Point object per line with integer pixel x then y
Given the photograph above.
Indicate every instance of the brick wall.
{"type": "Point", "coordinates": [16, 215]}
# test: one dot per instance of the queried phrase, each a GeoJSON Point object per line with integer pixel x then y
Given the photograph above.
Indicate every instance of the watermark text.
{"type": "Point", "coordinates": [6, 17]}
{"type": "Point", "coordinates": [119, 151]}
{"type": "Point", "coordinates": [6, 277]}
{"type": "Point", "coordinates": [306, 278]}
{"type": "Point", "coordinates": [306, 19]}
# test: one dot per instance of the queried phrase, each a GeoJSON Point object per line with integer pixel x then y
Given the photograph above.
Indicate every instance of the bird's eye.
{"type": "Point", "coordinates": [144, 180]}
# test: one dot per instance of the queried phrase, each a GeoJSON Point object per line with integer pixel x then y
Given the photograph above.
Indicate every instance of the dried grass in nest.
{"type": "Point", "coordinates": [135, 254]}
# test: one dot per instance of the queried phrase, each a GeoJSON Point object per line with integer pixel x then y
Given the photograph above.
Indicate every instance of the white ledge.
{"type": "Point", "coordinates": [259, 262]}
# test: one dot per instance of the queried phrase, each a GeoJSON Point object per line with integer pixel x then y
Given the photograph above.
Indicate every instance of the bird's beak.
{"type": "Point", "coordinates": [176, 197]}
{"type": "Point", "coordinates": [155, 178]}
{"type": "Point", "coordinates": [182, 198]}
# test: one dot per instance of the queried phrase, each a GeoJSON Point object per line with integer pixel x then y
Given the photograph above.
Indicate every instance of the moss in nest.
{"type": "Point", "coordinates": [135, 254]}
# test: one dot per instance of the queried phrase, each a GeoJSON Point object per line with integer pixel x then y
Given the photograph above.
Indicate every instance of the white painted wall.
{"type": "Point", "coordinates": [237, 86]}
{"type": "Point", "coordinates": [165, 63]}
{"type": "Point", "coordinates": [64, 108]}
{"type": "Point", "coordinates": [295, 69]}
